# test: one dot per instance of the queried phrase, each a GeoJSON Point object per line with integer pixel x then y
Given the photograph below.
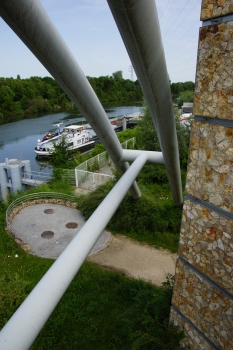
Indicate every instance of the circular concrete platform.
{"type": "Point", "coordinates": [49, 228]}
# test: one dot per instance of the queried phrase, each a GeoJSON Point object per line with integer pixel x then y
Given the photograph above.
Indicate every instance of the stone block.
{"type": "Point", "coordinates": [214, 78]}
{"type": "Point", "coordinates": [210, 169]}
{"type": "Point", "coordinates": [215, 8]}
{"type": "Point", "coordinates": [206, 306]}
{"type": "Point", "coordinates": [206, 242]}
{"type": "Point", "coordinates": [193, 339]}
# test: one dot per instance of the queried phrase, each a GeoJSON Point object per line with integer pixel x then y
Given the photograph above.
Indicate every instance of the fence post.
{"type": "Point", "coordinates": [76, 177]}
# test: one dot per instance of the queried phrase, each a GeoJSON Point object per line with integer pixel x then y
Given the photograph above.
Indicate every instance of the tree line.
{"type": "Point", "coordinates": [22, 98]}
{"type": "Point", "coordinates": [182, 92]}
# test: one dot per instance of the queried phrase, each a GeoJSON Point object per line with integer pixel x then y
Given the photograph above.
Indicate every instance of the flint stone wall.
{"type": "Point", "coordinates": [210, 169]}
{"type": "Point", "coordinates": [215, 8]}
{"type": "Point", "coordinates": [203, 291]}
{"type": "Point", "coordinates": [205, 306]}
{"type": "Point", "coordinates": [214, 77]}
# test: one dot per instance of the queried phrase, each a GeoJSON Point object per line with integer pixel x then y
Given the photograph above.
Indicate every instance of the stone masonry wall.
{"type": "Point", "coordinates": [202, 302]}
{"type": "Point", "coordinates": [216, 8]}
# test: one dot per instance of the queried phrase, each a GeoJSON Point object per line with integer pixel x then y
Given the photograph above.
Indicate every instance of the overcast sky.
{"type": "Point", "coordinates": [90, 32]}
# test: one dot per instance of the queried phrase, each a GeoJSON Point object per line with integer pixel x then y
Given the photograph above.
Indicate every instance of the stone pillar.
{"type": "Point", "coordinates": [202, 302]}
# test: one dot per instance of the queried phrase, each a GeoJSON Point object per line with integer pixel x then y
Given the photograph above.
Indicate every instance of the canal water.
{"type": "Point", "coordinates": [18, 140]}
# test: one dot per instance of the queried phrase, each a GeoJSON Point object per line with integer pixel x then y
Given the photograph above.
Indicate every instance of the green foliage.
{"type": "Point", "coordinates": [13, 290]}
{"type": "Point", "coordinates": [116, 88]}
{"type": "Point", "coordinates": [152, 218]}
{"type": "Point", "coordinates": [146, 321]}
{"type": "Point", "coordinates": [20, 98]}
{"type": "Point", "coordinates": [185, 96]}
{"type": "Point", "coordinates": [60, 155]}
{"type": "Point", "coordinates": [117, 75]}
{"type": "Point", "coordinates": [178, 88]}
{"type": "Point", "coordinates": [148, 138]}
{"type": "Point", "coordinates": [104, 310]}
{"type": "Point", "coordinates": [23, 97]}
{"type": "Point", "coordinates": [149, 141]}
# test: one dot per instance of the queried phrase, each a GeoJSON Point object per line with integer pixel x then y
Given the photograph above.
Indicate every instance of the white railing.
{"type": "Point", "coordinates": [24, 326]}
{"type": "Point", "coordinates": [89, 180]}
{"type": "Point", "coordinates": [103, 159]}
{"type": "Point", "coordinates": [87, 171]}
{"type": "Point", "coordinates": [34, 177]}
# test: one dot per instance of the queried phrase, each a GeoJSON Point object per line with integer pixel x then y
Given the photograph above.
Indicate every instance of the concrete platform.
{"type": "Point", "coordinates": [49, 228]}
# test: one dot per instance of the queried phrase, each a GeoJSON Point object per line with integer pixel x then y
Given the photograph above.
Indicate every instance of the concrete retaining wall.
{"type": "Point", "coordinates": [25, 204]}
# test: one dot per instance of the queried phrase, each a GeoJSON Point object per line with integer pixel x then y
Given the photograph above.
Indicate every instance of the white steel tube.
{"type": "Point", "coordinates": [31, 23]}
{"type": "Point", "coordinates": [24, 326]}
{"type": "Point", "coordinates": [138, 24]}
{"type": "Point", "coordinates": [152, 157]}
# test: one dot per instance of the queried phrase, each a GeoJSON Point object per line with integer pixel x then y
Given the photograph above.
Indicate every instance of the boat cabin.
{"type": "Point", "coordinates": [73, 129]}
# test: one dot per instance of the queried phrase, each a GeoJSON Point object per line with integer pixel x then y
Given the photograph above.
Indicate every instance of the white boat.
{"type": "Point", "coordinates": [74, 135]}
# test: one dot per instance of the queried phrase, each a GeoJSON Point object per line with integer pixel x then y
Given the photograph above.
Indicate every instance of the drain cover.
{"type": "Point", "coordinates": [48, 211]}
{"type": "Point", "coordinates": [47, 234]}
{"type": "Point", "coordinates": [72, 225]}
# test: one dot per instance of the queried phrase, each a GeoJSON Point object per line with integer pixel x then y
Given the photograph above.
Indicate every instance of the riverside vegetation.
{"type": "Point", "coordinates": [104, 309]}
{"type": "Point", "coordinates": [35, 96]}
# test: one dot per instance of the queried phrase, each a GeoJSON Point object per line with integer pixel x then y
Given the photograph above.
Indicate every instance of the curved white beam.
{"type": "Point", "coordinates": [138, 24]}
{"type": "Point", "coordinates": [152, 157]}
{"type": "Point", "coordinates": [30, 22]}
{"type": "Point", "coordinates": [26, 323]}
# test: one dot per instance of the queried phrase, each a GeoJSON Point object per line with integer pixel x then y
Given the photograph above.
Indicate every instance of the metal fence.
{"type": "Point", "coordinates": [34, 177]}
{"type": "Point", "coordinates": [87, 175]}
{"type": "Point", "coordinates": [102, 159]}
{"type": "Point", "coordinates": [89, 181]}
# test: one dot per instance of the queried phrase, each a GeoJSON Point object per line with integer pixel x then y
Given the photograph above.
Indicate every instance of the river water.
{"type": "Point", "coordinates": [18, 140]}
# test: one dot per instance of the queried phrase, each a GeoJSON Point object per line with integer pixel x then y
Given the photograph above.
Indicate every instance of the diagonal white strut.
{"type": "Point", "coordinates": [138, 23]}
{"type": "Point", "coordinates": [26, 323]}
{"type": "Point", "coordinates": [31, 23]}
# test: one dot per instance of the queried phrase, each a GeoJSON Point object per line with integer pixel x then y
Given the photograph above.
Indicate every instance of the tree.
{"type": "Point", "coordinates": [118, 75]}
{"type": "Point", "coordinates": [185, 96]}
{"type": "Point", "coordinates": [149, 140]}
{"type": "Point", "coordinates": [60, 155]}
{"type": "Point", "coordinates": [148, 136]}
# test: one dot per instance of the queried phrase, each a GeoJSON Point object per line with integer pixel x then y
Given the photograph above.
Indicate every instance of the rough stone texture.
{"type": "Point", "coordinates": [206, 242]}
{"type": "Point", "coordinates": [210, 171]}
{"type": "Point", "coordinates": [192, 338]}
{"type": "Point", "coordinates": [205, 306]}
{"type": "Point", "coordinates": [214, 77]}
{"type": "Point", "coordinates": [216, 8]}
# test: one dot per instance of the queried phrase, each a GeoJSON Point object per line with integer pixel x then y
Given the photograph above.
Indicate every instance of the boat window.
{"type": "Point", "coordinates": [70, 144]}
{"type": "Point", "coordinates": [78, 141]}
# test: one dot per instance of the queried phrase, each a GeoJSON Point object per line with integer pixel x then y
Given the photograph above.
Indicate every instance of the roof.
{"type": "Point", "coordinates": [74, 127]}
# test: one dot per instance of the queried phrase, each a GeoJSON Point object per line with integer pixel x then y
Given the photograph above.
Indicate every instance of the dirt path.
{"type": "Point", "coordinates": [135, 259]}
{"type": "Point", "coordinates": [113, 252]}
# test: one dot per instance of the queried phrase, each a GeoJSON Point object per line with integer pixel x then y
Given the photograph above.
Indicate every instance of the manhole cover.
{"type": "Point", "coordinates": [48, 211]}
{"type": "Point", "coordinates": [47, 234]}
{"type": "Point", "coordinates": [72, 225]}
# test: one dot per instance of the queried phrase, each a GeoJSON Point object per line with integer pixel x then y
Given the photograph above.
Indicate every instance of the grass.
{"type": "Point", "coordinates": [101, 309]}
{"type": "Point", "coordinates": [152, 219]}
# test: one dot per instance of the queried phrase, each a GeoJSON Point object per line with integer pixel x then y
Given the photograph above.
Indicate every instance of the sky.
{"type": "Point", "coordinates": [89, 30]}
